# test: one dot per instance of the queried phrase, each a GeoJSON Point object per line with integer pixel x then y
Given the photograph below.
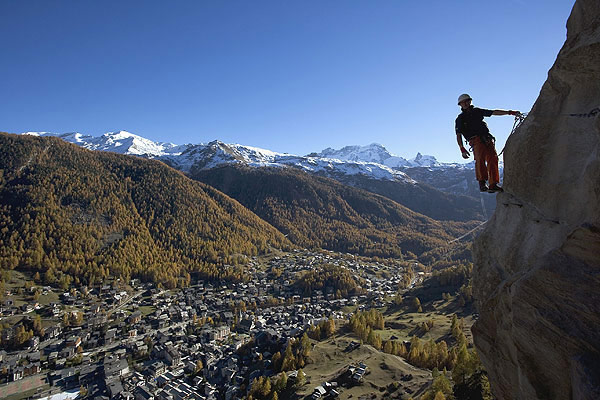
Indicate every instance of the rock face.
{"type": "Point", "coordinates": [537, 274]}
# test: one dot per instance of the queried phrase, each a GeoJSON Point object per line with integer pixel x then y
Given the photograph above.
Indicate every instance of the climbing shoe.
{"type": "Point", "coordinates": [495, 188]}
{"type": "Point", "coordinates": [483, 187]}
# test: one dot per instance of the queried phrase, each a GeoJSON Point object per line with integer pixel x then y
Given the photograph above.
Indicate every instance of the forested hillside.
{"type": "Point", "coordinates": [74, 214]}
{"type": "Point", "coordinates": [421, 198]}
{"type": "Point", "coordinates": [323, 213]}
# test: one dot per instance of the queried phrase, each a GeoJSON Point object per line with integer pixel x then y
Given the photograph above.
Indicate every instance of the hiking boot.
{"type": "Point", "coordinates": [483, 187]}
{"type": "Point", "coordinates": [495, 188]}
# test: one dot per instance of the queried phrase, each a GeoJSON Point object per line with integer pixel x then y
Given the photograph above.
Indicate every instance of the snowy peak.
{"type": "Point", "coordinates": [128, 143]}
{"type": "Point", "coordinates": [122, 142]}
{"type": "Point", "coordinates": [423, 161]}
{"type": "Point", "coordinates": [373, 160]}
{"type": "Point", "coordinates": [73, 137]}
{"type": "Point", "coordinates": [376, 153]}
{"type": "Point", "coordinates": [370, 153]}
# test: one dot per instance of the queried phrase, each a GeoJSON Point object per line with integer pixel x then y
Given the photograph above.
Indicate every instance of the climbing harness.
{"type": "Point", "coordinates": [519, 118]}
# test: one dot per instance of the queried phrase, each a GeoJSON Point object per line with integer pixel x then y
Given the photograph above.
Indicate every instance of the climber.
{"type": "Point", "coordinates": [469, 124]}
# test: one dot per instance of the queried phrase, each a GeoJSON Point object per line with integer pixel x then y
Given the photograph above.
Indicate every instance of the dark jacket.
{"type": "Point", "coordinates": [469, 123]}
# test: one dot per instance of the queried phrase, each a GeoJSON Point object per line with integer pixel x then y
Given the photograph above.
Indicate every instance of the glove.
{"type": "Point", "coordinates": [511, 112]}
{"type": "Point", "coordinates": [465, 153]}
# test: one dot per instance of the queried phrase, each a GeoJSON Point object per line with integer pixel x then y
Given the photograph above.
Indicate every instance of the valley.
{"type": "Point", "coordinates": [213, 339]}
{"type": "Point", "coordinates": [123, 277]}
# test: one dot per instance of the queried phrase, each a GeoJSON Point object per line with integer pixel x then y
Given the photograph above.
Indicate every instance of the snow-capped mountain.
{"type": "Point", "coordinates": [205, 156]}
{"type": "Point", "coordinates": [117, 142]}
{"type": "Point", "coordinates": [370, 167]}
{"type": "Point", "coordinates": [378, 154]}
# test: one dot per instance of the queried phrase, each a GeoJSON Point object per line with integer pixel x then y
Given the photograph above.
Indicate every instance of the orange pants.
{"type": "Point", "coordinates": [485, 153]}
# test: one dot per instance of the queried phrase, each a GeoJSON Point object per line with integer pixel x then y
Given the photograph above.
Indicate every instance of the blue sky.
{"type": "Point", "coordinates": [289, 76]}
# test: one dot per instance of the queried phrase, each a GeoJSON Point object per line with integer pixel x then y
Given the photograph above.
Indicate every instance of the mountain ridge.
{"type": "Point", "coordinates": [88, 215]}
{"type": "Point", "coordinates": [370, 154]}
{"type": "Point", "coordinates": [444, 191]}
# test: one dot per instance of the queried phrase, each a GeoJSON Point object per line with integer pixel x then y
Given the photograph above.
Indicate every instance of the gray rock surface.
{"type": "Point", "coordinates": [537, 273]}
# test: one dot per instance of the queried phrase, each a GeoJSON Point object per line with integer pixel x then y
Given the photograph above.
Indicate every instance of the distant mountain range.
{"type": "Point", "coordinates": [78, 215]}
{"type": "Point", "coordinates": [373, 160]}
{"type": "Point", "coordinates": [416, 183]}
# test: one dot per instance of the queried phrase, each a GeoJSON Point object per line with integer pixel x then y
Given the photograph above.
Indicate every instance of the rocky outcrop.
{"type": "Point", "coordinates": [537, 274]}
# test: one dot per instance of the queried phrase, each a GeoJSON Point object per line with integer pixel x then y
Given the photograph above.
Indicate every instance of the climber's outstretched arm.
{"type": "Point", "coordinates": [504, 112]}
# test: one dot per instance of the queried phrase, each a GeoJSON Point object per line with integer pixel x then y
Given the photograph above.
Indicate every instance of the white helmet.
{"type": "Point", "coordinates": [463, 97]}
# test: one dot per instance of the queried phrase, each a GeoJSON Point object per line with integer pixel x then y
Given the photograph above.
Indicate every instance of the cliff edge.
{"type": "Point", "coordinates": [537, 264]}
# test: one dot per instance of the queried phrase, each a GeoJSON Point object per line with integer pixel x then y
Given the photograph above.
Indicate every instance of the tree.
{"type": "Point", "coordinates": [266, 388]}
{"type": "Point", "coordinates": [300, 379]}
{"type": "Point", "coordinates": [37, 325]}
{"type": "Point", "coordinates": [281, 383]}
{"type": "Point", "coordinates": [417, 304]}
{"type": "Point", "coordinates": [289, 361]}
{"type": "Point", "coordinates": [305, 346]}
{"type": "Point", "coordinates": [388, 347]}
{"type": "Point", "coordinates": [199, 367]}
{"type": "Point", "coordinates": [66, 320]}
{"type": "Point", "coordinates": [454, 328]}
{"type": "Point", "coordinates": [466, 364]}
{"type": "Point", "coordinates": [439, 396]}
{"type": "Point", "coordinates": [329, 327]}
{"type": "Point", "coordinates": [398, 299]}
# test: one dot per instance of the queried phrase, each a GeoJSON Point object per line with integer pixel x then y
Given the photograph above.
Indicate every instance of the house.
{"type": "Point", "coordinates": [318, 392]}
{"type": "Point", "coordinates": [73, 341]}
{"type": "Point", "coordinates": [156, 368]}
{"type": "Point", "coordinates": [114, 387]}
{"type": "Point", "coordinates": [171, 355]}
{"type": "Point", "coordinates": [110, 335]}
{"type": "Point", "coordinates": [67, 352]}
{"type": "Point", "coordinates": [246, 325]}
{"type": "Point", "coordinates": [134, 318]}
{"type": "Point", "coordinates": [115, 367]}
{"type": "Point", "coordinates": [18, 373]}
{"type": "Point", "coordinates": [67, 377]}
{"type": "Point", "coordinates": [222, 332]}
{"type": "Point", "coordinates": [34, 342]}
{"type": "Point", "coordinates": [125, 396]}
{"type": "Point", "coordinates": [143, 393]}
{"type": "Point", "coordinates": [52, 331]}
{"type": "Point", "coordinates": [95, 308]}
{"type": "Point", "coordinates": [231, 392]}
{"type": "Point", "coordinates": [31, 369]}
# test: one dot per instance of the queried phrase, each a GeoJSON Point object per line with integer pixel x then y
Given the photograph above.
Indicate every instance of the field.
{"type": "Point", "coordinates": [387, 375]}
{"type": "Point", "coordinates": [25, 387]}
{"type": "Point", "coordinates": [17, 281]}
{"type": "Point", "coordinates": [330, 360]}
{"type": "Point", "coordinates": [402, 325]}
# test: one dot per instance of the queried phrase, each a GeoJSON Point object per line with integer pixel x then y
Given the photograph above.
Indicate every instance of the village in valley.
{"type": "Point", "coordinates": [210, 340]}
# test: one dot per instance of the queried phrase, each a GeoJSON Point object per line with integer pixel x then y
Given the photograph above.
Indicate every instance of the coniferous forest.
{"type": "Point", "coordinates": [319, 212]}
{"type": "Point", "coordinates": [76, 215]}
